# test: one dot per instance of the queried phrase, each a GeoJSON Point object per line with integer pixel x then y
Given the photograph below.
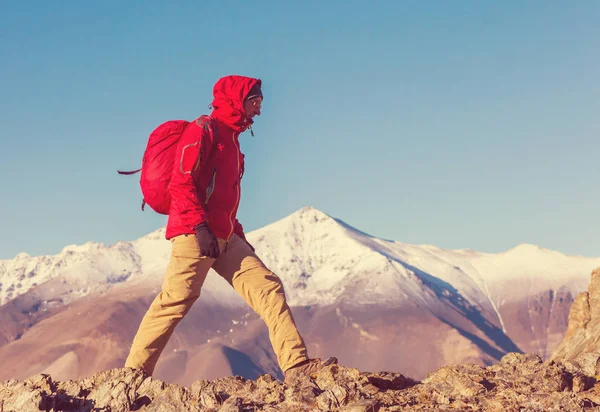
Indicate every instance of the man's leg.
{"type": "Point", "coordinates": [185, 275]}
{"type": "Point", "coordinates": [263, 291]}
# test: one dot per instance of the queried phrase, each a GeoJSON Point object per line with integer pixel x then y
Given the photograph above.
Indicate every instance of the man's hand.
{"type": "Point", "coordinates": [209, 246]}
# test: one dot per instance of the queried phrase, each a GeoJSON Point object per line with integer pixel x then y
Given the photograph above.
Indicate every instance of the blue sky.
{"type": "Point", "coordinates": [460, 124]}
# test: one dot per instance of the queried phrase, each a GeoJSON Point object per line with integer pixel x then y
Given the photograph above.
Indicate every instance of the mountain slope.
{"type": "Point", "coordinates": [525, 291]}
{"type": "Point", "coordinates": [354, 295]}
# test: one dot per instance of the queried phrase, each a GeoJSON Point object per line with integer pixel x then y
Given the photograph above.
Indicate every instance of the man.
{"type": "Point", "coordinates": [204, 232]}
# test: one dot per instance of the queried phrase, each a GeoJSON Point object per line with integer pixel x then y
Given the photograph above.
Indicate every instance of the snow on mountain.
{"type": "Point", "coordinates": [321, 260]}
{"type": "Point", "coordinates": [82, 267]}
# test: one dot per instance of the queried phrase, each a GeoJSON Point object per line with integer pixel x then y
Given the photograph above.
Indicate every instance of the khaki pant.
{"type": "Point", "coordinates": [241, 268]}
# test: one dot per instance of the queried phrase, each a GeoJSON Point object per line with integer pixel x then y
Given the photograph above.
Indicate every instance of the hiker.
{"type": "Point", "coordinates": [205, 233]}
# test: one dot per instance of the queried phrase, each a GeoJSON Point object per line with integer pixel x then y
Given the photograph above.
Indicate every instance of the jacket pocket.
{"type": "Point", "coordinates": [210, 189]}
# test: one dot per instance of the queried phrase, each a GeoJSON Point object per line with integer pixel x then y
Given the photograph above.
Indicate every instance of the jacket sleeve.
{"type": "Point", "coordinates": [239, 229]}
{"type": "Point", "coordinates": [192, 151]}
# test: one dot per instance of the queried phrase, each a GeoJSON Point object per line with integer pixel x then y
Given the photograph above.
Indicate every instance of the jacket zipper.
{"type": "Point", "coordinates": [238, 190]}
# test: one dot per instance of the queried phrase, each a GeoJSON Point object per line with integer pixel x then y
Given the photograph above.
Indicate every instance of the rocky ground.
{"type": "Point", "coordinates": [517, 383]}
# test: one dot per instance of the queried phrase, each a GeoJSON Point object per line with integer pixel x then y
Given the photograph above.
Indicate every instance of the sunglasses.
{"type": "Point", "coordinates": [256, 102]}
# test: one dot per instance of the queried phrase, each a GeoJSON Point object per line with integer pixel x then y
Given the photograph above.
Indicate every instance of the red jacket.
{"type": "Point", "coordinates": [205, 184]}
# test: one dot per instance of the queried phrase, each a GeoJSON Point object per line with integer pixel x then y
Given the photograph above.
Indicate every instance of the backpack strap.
{"type": "Point", "coordinates": [209, 124]}
{"type": "Point", "coordinates": [130, 172]}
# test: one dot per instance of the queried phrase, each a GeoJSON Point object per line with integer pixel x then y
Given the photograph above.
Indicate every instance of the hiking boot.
{"type": "Point", "coordinates": [308, 368]}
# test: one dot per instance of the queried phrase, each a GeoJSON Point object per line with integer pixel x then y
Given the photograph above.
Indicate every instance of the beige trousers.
{"type": "Point", "coordinates": [240, 267]}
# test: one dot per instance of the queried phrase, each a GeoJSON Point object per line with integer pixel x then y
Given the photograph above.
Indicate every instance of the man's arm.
{"type": "Point", "coordinates": [192, 151]}
{"type": "Point", "coordinates": [239, 230]}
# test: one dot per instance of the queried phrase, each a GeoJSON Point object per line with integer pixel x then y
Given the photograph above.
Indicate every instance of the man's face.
{"type": "Point", "coordinates": [252, 106]}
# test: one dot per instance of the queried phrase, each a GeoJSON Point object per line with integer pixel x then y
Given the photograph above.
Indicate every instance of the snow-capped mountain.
{"type": "Point", "coordinates": [321, 260]}
{"type": "Point", "coordinates": [84, 268]}
{"type": "Point", "coordinates": [348, 286]}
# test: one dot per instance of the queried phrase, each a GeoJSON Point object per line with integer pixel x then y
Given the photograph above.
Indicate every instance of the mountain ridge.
{"type": "Point", "coordinates": [148, 255]}
{"type": "Point", "coordinates": [346, 287]}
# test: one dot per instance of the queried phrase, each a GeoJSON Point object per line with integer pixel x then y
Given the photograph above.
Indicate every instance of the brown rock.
{"type": "Point", "coordinates": [340, 385]}
{"type": "Point", "coordinates": [582, 340]}
{"type": "Point", "coordinates": [42, 382]}
{"type": "Point", "coordinates": [457, 382]}
{"type": "Point", "coordinates": [590, 363]}
{"type": "Point", "coordinates": [517, 382]}
{"type": "Point", "coordinates": [303, 393]}
{"type": "Point", "coordinates": [26, 399]}
{"type": "Point", "coordinates": [594, 295]}
{"type": "Point", "coordinates": [173, 398]}
{"type": "Point", "coordinates": [232, 404]}
{"type": "Point", "coordinates": [582, 383]}
{"type": "Point", "coordinates": [363, 406]}
{"type": "Point", "coordinates": [530, 375]}
{"type": "Point", "coordinates": [579, 315]}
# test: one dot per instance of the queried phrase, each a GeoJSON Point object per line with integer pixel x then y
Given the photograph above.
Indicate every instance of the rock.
{"type": "Point", "coordinates": [302, 393]}
{"type": "Point", "coordinates": [594, 297]}
{"type": "Point", "coordinates": [458, 382]}
{"type": "Point", "coordinates": [589, 363]}
{"type": "Point", "coordinates": [270, 390]}
{"type": "Point", "coordinates": [566, 382]}
{"type": "Point", "coordinates": [27, 399]}
{"type": "Point", "coordinates": [531, 375]}
{"type": "Point", "coordinates": [173, 398]}
{"type": "Point", "coordinates": [583, 331]}
{"type": "Point", "coordinates": [41, 381]}
{"type": "Point", "coordinates": [340, 385]}
{"type": "Point", "coordinates": [363, 406]}
{"type": "Point", "coordinates": [232, 404]}
{"type": "Point", "coordinates": [387, 380]}
{"type": "Point", "coordinates": [115, 389]}
{"type": "Point", "coordinates": [516, 382]}
{"type": "Point", "coordinates": [582, 383]}
{"type": "Point", "coordinates": [579, 314]}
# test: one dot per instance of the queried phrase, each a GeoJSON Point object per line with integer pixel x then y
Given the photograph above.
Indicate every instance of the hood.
{"type": "Point", "coordinates": [228, 100]}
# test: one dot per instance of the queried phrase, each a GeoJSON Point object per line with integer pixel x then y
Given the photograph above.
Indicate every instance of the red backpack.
{"type": "Point", "coordinates": [157, 163]}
